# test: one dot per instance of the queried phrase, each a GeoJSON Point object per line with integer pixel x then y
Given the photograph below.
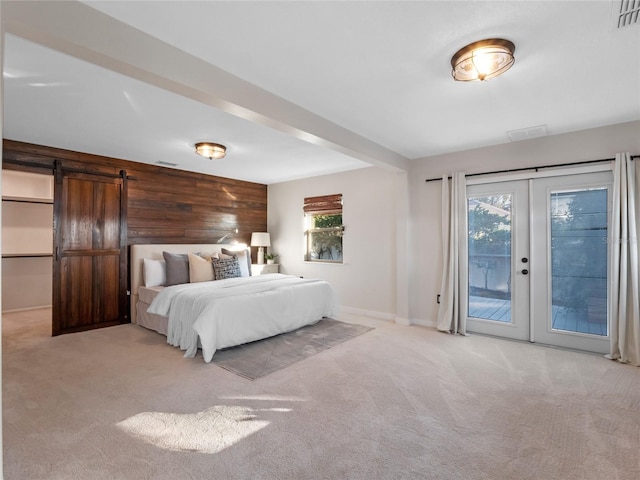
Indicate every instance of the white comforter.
{"type": "Point", "coordinates": [230, 312]}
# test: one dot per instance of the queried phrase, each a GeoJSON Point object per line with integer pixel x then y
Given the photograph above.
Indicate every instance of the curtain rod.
{"type": "Point", "coordinates": [633, 157]}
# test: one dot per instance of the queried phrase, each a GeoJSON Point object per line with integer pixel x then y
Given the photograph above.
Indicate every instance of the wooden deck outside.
{"type": "Point", "coordinates": [564, 318]}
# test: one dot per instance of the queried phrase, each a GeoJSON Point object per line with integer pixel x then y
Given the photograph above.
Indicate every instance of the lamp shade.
{"type": "Point", "coordinates": [260, 239]}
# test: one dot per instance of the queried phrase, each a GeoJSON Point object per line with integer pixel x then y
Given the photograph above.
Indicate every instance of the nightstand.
{"type": "Point", "coordinates": [257, 269]}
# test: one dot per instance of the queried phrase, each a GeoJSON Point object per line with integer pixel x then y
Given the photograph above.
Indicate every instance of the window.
{"type": "Point", "coordinates": [323, 228]}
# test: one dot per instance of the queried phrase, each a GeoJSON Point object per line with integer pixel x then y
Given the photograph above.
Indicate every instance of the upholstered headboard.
{"type": "Point", "coordinates": [140, 252]}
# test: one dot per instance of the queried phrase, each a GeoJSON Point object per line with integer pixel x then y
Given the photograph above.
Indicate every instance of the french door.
{"type": "Point", "coordinates": [538, 260]}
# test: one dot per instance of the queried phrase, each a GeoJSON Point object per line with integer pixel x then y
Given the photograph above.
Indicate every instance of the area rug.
{"type": "Point", "coordinates": [257, 359]}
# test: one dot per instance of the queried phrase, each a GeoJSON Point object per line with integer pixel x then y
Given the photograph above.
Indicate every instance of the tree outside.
{"type": "Point", "coordinates": [490, 246]}
{"type": "Point", "coordinates": [325, 237]}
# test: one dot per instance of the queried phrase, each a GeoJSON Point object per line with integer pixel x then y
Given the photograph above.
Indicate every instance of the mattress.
{"type": "Point", "coordinates": [147, 294]}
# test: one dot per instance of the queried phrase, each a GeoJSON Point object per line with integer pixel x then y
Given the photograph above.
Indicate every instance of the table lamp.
{"type": "Point", "coordinates": [260, 240]}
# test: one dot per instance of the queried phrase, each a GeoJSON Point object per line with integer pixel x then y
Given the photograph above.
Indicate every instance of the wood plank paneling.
{"type": "Point", "coordinates": [163, 205]}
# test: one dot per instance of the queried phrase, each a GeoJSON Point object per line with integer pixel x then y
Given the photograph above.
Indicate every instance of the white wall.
{"type": "Point", "coordinates": [27, 228]}
{"type": "Point", "coordinates": [366, 282]}
{"type": "Point", "coordinates": [26, 283]}
{"type": "Point", "coordinates": [377, 272]}
{"type": "Point", "coordinates": [425, 201]}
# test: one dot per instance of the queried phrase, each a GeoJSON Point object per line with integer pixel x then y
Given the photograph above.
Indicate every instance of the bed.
{"type": "Point", "coordinates": [221, 313]}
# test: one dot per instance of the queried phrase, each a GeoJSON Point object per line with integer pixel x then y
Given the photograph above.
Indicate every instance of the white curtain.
{"type": "Point", "coordinates": [625, 294]}
{"type": "Point", "coordinates": [452, 314]}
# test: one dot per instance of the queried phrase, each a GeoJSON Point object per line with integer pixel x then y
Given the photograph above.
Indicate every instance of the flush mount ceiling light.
{"type": "Point", "coordinates": [211, 150]}
{"type": "Point", "coordinates": [483, 60]}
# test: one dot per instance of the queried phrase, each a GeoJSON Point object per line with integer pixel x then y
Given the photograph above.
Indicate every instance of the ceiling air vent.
{"type": "Point", "coordinates": [166, 164]}
{"type": "Point", "coordinates": [527, 133]}
{"type": "Point", "coordinates": [625, 13]}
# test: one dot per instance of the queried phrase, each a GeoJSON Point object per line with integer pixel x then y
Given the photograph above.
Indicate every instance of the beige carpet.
{"type": "Point", "coordinates": [396, 403]}
{"type": "Point", "coordinates": [257, 359]}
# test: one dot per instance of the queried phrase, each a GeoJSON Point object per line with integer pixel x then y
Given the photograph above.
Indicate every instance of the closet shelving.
{"type": "Point", "coordinates": [27, 239]}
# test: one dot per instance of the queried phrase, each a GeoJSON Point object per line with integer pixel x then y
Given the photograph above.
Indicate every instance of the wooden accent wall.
{"type": "Point", "coordinates": [164, 205]}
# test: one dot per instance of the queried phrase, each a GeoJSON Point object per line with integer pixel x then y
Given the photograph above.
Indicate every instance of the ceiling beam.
{"type": "Point", "coordinates": [78, 30]}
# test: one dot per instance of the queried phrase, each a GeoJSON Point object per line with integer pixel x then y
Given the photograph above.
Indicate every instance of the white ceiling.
{"type": "Point", "coordinates": [298, 89]}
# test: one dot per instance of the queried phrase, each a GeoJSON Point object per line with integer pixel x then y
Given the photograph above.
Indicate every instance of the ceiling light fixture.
{"type": "Point", "coordinates": [483, 60]}
{"type": "Point", "coordinates": [211, 150]}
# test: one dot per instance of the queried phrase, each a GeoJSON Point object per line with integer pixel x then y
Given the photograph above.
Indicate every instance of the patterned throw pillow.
{"type": "Point", "coordinates": [244, 260]}
{"type": "Point", "coordinates": [226, 267]}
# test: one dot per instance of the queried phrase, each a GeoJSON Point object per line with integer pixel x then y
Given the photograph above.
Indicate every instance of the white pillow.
{"type": "Point", "coordinates": [200, 269]}
{"type": "Point", "coordinates": [155, 273]}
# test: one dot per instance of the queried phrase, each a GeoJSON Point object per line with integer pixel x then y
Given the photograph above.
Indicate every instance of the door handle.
{"type": "Point", "coordinates": [525, 271]}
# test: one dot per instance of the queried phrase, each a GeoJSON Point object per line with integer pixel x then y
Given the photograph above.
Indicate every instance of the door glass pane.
{"type": "Point", "coordinates": [490, 257]}
{"type": "Point", "coordinates": [579, 261]}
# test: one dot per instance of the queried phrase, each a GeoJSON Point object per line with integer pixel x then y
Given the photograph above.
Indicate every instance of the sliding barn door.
{"type": "Point", "coordinates": [90, 256]}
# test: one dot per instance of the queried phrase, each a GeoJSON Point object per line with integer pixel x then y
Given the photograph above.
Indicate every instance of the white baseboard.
{"type": "Point", "coordinates": [424, 322]}
{"type": "Point", "coordinates": [402, 321]}
{"type": "Point", "coordinates": [346, 312]}
{"type": "Point", "coordinates": [350, 312]}
{"type": "Point", "coordinates": [26, 309]}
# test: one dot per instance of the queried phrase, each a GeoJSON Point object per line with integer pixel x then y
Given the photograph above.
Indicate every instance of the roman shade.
{"type": "Point", "coordinates": [323, 204]}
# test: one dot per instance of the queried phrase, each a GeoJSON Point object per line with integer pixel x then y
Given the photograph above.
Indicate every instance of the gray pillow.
{"type": "Point", "coordinates": [226, 267]}
{"type": "Point", "coordinates": [177, 268]}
